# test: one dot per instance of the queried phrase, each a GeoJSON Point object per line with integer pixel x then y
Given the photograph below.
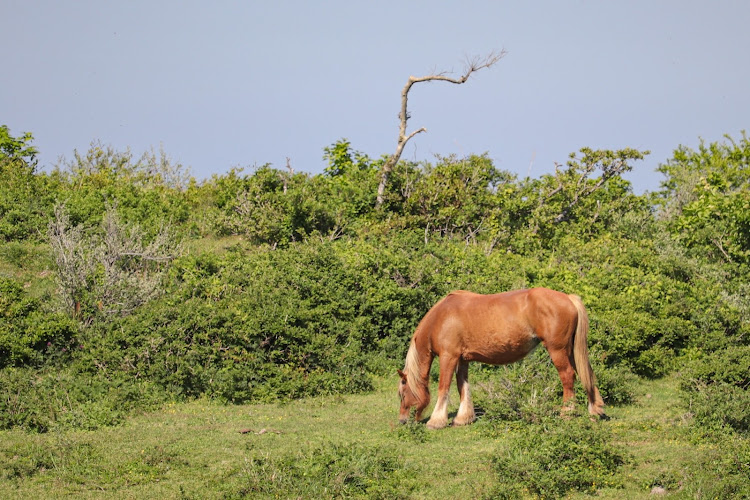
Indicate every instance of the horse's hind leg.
{"type": "Point", "coordinates": [466, 409]}
{"type": "Point", "coordinates": [566, 369]}
{"type": "Point", "coordinates": [439, 417]}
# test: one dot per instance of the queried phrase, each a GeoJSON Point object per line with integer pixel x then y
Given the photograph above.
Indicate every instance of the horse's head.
{"type": "Point", "coordinates": [409, 399]}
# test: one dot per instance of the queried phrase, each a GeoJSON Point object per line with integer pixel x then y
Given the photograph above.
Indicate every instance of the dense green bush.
{"type": "Point", "coordinates": [26, 195]}
{"type": "Point", "coordinates": [550, 460]}
{"type": "Point", "coordinates": [530, 391]}
{"type": "Point", "coordinates": [616, 384]}
{"type": "Point", "coordinates": [29, 335]}
{"type": "Point", "coordinates": [148, 190]}
{"type": "Point", "coordinates": [705, 198]}
{"type": "Point", "coordinates": [278, 207]}
{"type": "Point", "coordinates": [56, 398]}
{"type": "Point", "coordinates": [716, 389]}
{"type": "Point", "coordinates": [331, 471]}
{"type": "Point", "coordinates": [262, 326]}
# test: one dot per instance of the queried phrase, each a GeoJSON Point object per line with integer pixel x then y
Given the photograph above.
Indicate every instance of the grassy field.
{"type": "Point", "coordinates": [328, 447]}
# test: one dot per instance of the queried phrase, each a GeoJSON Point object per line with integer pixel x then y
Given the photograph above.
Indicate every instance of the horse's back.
{"type": "Point", "coordinates": [536, 299]}
{"type": "Point", "coordinates": [498, 328]}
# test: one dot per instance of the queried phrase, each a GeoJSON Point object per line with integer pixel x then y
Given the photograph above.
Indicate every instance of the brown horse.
{"type": "Point", "coordinates": [496, 329]}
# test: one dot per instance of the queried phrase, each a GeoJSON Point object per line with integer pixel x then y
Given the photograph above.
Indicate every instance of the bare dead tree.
{"type": "Point", "coordinates": [472, 65]}
{"type": "Point", "coordinates": [286, 177]}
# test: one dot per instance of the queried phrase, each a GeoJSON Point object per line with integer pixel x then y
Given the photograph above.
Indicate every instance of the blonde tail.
{"type": "Point", "coordinates": [581, 356]}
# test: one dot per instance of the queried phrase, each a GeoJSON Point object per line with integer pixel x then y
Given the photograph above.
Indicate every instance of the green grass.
{"type": "Point", "coordinates": [330, 447]}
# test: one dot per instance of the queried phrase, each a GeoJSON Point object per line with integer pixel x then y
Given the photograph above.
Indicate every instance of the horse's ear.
{"type": "Point", "coordinates": [401, 374]}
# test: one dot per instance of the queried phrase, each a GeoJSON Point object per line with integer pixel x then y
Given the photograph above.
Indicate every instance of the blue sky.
{"type": "Point", "coordinates": [223, 84]}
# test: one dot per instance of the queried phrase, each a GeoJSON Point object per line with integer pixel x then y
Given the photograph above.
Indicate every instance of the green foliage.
{"type": "Point", "coordinates": [330, 471]}
{"type": "Point", "coordinates": [413, 432]}
{"type": "Point", "coordinates": [24, 194]}
{"type": "Point", "coordinates": [342, 160]}
{"type": "Point", "coordinates": [29, 335]}
{"type": "Point", "coordinates": [277, 324]}
{"type": "Point", "coordinates": [716, 390]}
{"type": "Point", "coordinates": [16, 147]}
{"type": "Point", "coordinates": [552, 459]}
{"type": "Point", "coordinates": [455, 196]}
{"type": "Point", "coordinates": [148, 190]}
{"type": "Point", "coordinates": [706, 199]}
{"type": "Point", "coordinates": [56, 399]}
{"type": "Point", "coordinates": [527, 392]}
{"type": "Point", "coordinates": [278, 208]}
{"type": "Point", "coordinates": [15, 253]}
{"type": "Point", "coordinates": [321, 290]}
{"type": "Point", "coordinates": [730, 366]}
{"type": "Point", "coordinates": [617, 385]}
{"type": "Point", "coordinates": [572, 202]}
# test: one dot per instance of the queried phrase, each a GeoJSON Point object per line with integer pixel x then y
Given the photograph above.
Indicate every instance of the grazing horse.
{"type": "Point", "coordinates": [496, 329]}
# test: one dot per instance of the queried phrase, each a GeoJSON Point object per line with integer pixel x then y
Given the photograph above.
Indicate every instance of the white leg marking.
{"type": "Point", "coordinates": [466, 408]}
{"type": "Point", "coordinates": [439, 417]}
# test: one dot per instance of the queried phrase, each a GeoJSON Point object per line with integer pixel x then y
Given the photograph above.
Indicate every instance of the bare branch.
{"type": "Point", "coordinates": [472, 65]}
{"type": "Point", "coordinates": [111, 267]}
{"type": "Point", "coordinates": [291, 173]}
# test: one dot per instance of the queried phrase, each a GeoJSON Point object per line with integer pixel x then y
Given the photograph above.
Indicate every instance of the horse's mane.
{"type": "Point", "coordinates": [412, 371]}
{"type": "Point", "coordinates": [417, 386]}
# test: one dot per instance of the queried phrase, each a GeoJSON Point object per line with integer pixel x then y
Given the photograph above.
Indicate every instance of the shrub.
{"type": "Point", "coordinates": [720, 406]}
{"type": "Point", "coordinates": [716, 390]}
{"type": "Point", "coordinates": [270, 325]}
{"type": "Point", "coordinates": [530, 390]}
{"type": "Point", "coordinates": [721, 470]}
{"type": "Point", "coordinates": [413, 432]}
{"type": "Point", "coordinates": [330, 471]}
{"type": "Point", "coordinates": [550, 460]}
{"type": "Point", "coordinates": [29, 335]}
{"type": "Point", "coordinates": [729, 366]}
{"type": "Point", "coordinates": [527, 391]}
{"type": "Point", "coordinates": [41, 401]}
{"type": "Point", "coordinates": [617, 385]}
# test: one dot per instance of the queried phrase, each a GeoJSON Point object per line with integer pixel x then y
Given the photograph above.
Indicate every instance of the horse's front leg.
{"type": "Point", "coordinates": [439, 417]}
{"type": "Point", "coordinates": [466, 408]}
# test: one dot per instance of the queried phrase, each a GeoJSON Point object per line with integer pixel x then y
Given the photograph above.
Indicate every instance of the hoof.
{"type": "Point", "coordinates": [567, 411]}
{"type": "Point", "coordinates": [436, 425]}
{"type": "Point", "coordinates": [463, 421]}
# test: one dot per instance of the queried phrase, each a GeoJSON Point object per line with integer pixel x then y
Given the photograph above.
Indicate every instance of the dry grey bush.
{"type": "Point", "coordinates": [111, 267]}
